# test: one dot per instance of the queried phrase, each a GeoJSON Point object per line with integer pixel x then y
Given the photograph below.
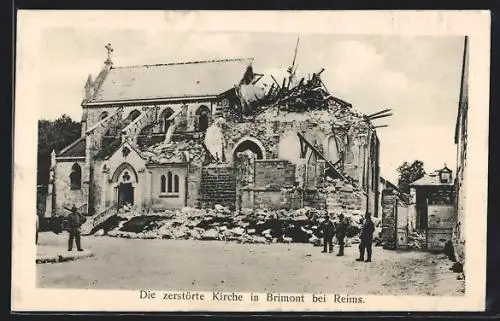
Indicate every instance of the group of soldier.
{"type": "Point", "coordinates": [329, 230]}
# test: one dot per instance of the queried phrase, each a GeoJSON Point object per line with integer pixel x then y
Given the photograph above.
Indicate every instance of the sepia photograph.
{"type": "Point", "coordinates": [252, 166]}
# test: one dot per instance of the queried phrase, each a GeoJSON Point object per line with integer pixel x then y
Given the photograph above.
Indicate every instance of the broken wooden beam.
{"type": "Point", "coordinates": [277, 84]}
{"type": "Point", "coordinates": [378, 113]}
{"type": "Point", "coordinates": [380, 116]}
{"type": "Point", "coordinates": [259, 77]}
{"type": "Point", "coordinates": [320, 155]}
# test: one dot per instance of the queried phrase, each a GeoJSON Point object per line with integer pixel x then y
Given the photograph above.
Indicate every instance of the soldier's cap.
{"type": "Point", "coordinates": [74, 209]}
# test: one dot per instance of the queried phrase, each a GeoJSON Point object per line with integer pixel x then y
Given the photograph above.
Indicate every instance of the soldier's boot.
{"type": "Point", "coordinates": [369, 254]}
{"type": "Point", "coordinates": [361, 254]}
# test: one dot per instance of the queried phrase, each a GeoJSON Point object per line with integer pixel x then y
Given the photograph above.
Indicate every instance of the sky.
{"type": "Point", "coordinates": [418, 77]}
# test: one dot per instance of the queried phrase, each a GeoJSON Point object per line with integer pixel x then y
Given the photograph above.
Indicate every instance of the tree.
{"type": "Point", "coordinates": [409, 173]}
{"type": "Point", "coordinates": [54, 135]}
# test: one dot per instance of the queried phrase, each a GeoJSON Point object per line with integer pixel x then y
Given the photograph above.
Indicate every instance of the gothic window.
{"type": "Point", "coordinates": [169, 175]}
{"type": "Point", "coordinates": [176, 183]}
{"type": "Point", "coordinates": [169, 184]}
{"type": "Point", "coordinates": [75, 177]}
{"type": "Point", "coordinates": [163, 183]}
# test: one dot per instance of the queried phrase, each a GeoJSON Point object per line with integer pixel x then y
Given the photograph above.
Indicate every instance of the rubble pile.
{"type": "Point", "coordinates": [180, 151]}
{"type": "Point", "coordinates": [245, 226]}
{"type": "Point", "coordinates": [416, 240]}
{"type": "Point", "coordinates": [306, 95]}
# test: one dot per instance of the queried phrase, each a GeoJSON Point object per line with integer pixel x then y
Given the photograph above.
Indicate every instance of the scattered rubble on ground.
{"type": "Point", "coordinates": [245, 226]}
{"type": "Point", "coordinates": [416, 240]}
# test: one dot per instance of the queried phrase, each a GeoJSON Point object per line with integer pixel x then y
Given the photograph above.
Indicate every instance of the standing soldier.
{"type": "Point", "coordinates": [340, 233]}
{"type": "Point", "coordinates": [328, 231]}
{"type": "Point", "coordinates": [74, 223]}
{"type": "Point", "coordinates": [366, 239]}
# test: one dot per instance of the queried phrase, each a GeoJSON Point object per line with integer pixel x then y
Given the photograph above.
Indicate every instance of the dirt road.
{"type": "Point", "coordinates": [219, 266]}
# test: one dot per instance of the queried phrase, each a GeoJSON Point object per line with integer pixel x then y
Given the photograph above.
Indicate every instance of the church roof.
{"type": "Point", "coordinates": [172, 80]}
{"type": "Point", "coordinates": [75, 149]}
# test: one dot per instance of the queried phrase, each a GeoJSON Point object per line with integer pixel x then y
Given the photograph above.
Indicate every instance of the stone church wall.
{"type": "Point", "coordinates": [64, 195]}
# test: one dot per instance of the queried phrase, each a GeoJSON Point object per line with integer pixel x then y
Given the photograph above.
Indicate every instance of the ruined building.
{"type": "Point", "coordinates": [196, 134]}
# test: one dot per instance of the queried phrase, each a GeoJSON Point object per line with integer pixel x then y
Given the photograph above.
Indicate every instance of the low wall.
{"type": "Point", "coordinates": [218, 186]}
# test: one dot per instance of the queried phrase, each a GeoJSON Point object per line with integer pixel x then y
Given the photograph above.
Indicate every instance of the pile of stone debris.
{"type": "Point", "coordinates": [416, 240]}
{"type": "Point", "coordinates": [179, 152]}
{"type": "Point", "coordinates": [245, 226]}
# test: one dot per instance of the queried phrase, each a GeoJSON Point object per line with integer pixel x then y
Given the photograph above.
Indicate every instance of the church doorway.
{"type": "Point", "coordinates": [125, 182]}
{"type": "Point", "coordinates": [125, 194]}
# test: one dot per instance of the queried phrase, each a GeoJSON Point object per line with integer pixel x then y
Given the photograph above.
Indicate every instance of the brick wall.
{"type": "Point", "coordinates": [218, 186]}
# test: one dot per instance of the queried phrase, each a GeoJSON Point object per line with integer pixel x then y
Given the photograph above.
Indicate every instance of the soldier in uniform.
{"type": "Point", "coordinates": [328, 230]}
{"type": "Point", "coordinates": [340, 233]}
{"type": "Point", "coordinates": [74, 223]}
{"type": "Point", "coordinates": [366, 239]}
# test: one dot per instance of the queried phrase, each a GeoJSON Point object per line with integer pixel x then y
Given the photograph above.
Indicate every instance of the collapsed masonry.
{"type": "Point", "coordinates": [291, 146]}
{"type": "Point", "coordinates": [299, 146]}
{"type": "Point", "coordinates": [220, 223]}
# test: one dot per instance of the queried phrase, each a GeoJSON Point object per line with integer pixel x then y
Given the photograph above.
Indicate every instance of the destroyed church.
{"type": "Point", "coordinates": [197, 134]}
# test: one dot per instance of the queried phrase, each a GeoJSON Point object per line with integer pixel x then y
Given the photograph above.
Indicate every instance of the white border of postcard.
{"type": "Point", "coordinates": [475, 24]}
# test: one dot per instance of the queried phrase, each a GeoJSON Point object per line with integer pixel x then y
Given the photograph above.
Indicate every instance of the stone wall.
{"type": "Point", "coordinates": [64, 195]}
{"type": "Point", "coordinates": [277, 134]}
{"type": "Point", "coordinates": [274, 172]}
{"type": "Point", "coordinates": [95, 187]}
{"type": "Point", "coordinates": [389, 208]}
{"type": "Point", "coordinates": [218, 186]}
{"type": "Point", "coordinates": [165, 200]}
{"type": "Point", "coordinates": [266, 184]}
{"type": "Point", "coordinates": [193, 184]}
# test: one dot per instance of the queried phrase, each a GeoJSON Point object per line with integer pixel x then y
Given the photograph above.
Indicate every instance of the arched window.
{"type": "Point", "coordinates": [176, 183]}
{"type": "Point", "coordinates": [103, 115]}
{"type": "Point", "coordinates": [133, 115]}
{"type": "Point", "coordinates": [165, 115]}
{"type": "Point", "coordinates": [203, 117]}
{"type": "Point", "coordinates": [75, 177]}
{"type": "Point", "coordinates": [163, 184]}
{"type": "Point", "coordinates": [169, 189]}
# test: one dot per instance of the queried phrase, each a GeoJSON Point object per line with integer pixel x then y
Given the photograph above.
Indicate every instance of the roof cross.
{"type": "Point", "coordinates": [109, 49]}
